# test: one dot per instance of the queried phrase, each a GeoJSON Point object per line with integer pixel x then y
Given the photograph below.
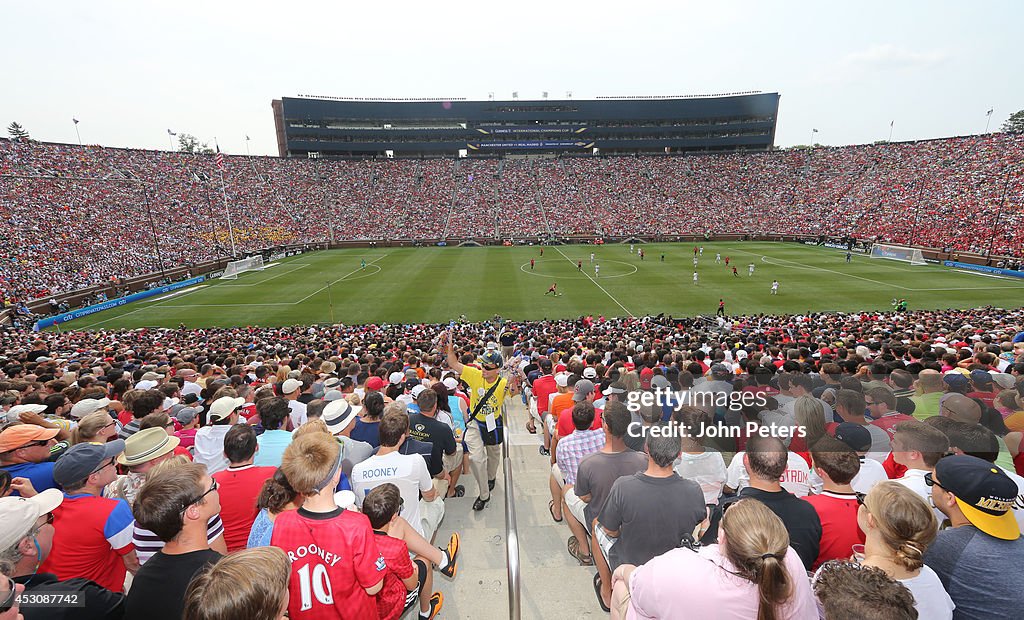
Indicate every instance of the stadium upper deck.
{"type": "Point", "coordinates": [333, 128]}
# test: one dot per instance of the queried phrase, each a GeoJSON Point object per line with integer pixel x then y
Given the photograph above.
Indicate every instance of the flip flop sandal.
{"type": "Point", "coordinates": [551, 509]}
{"type": "Point", "coordinates": [574, 551]}
{"type": "Point", "coordinates": [597, 590]}
{"type": "Point", "coordinates": [531, 427]}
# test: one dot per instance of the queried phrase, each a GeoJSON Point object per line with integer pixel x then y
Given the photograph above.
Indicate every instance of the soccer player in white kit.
{"type": "Point", "coordinates": [597, 270]}
{"type": "Point", "coordinates": [694, 261]}
{"type": "Point", "coordinates": [702, 250]}
{"type": "Point", "coordinates": [750, 269]}
{"type": "Point", "coordinates": [695, 277]}
{"type": "Point", "coordinates": [630, 248]}
{"type": "Point", "coordinates": [775, 287]}
{"type": "Point", "coordinates": [591, 257]}
{"type": "Point", "coordinates": [718, 257]}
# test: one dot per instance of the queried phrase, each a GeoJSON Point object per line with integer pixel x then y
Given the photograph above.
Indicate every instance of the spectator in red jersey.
{"type": "Point", "coordinates": [881, 407]}
{"type": "Point", "coordinates": [240, 485]}
{"type": "Point", "coordinates": [322, 539]}
{"type": "Point", "coordinates": [405, 581]}
{"type": "Point", "coordinates": [92, 534]}
{"type": "Point", "coordinates": [250, 584]}
{"type": "Point", "coordinates": [836, 464]}
{"type": "Point", "coordinates": [176, 504]}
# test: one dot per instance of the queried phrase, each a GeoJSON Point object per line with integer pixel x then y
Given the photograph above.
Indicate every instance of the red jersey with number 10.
{"type": "Point", "coordinates": [334, 557]}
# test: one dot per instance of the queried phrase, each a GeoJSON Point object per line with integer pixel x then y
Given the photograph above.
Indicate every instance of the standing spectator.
{"type": "Point", "coordinates": [836, 505]}
{"type": "Point", "coordinates": [209, 446]}
{"type": "Point", "coordinates": [918, 447]}
{"type": "Point", "coordinates": [176, 504]}
{"type": "Point", "coordinates": [239, 485]}
{"type": "Point", "coordinates": [928, 390]}
{"type": "Point", "coordinates": [765, 462]}
{"type": "Point", "coordinates": [190, 385]}
{"type": "Point", "coordinates": [356, 569]}
{"type": "Point", "coordinates": [276, 496]}
{"type": "Point", "coordinates": [142, 452]}
{"type": "Point", "coordinates": [425, 427]}
{"type": "Point", "coordinates": [25, 542]}
{"type": "Point", "coordinates": [871, 472]}
{"type": "Point", "coordinates": [92, 534]}
{"type": "Point", "coordinates": [899, 527]}
{"type": "Point", "coordinates": [648, 513]}
{"type": "Point", "coordinates": [188, 418]}
{"type": "Point", "coordinates": [850, 406]}
{"type": "Point", "coordinates": [570, 451]}
{"type": "Point", "coordinates": [251, 584]}
{"type": "Point", "coordinates": [145, 403]}
{"type": "Point", "coordinates": [274, 413]}
{"type": "Point", "coordinates": [25, 453]}
{"type": "Point", "coordinates": [751, 573]}
{"type": "Point", "coordinates": [696, 462]}
{"type": "Point", "coordinates": [972, 556]}
{"type": "Point", "coordinates": [291, 390]}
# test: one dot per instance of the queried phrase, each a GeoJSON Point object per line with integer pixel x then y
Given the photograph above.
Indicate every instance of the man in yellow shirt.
{"type": "Point", "coordinates": [484, 424]}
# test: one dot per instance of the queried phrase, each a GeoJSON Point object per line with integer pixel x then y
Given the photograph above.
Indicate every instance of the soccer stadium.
{"type": "Point", "coordinates": [635, 356]}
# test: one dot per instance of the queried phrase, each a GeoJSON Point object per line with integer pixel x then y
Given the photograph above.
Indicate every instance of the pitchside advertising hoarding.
{"type": "Point", "coordinates": [114, 303]}
{"type": "Point", "coordinates": [996, 271]}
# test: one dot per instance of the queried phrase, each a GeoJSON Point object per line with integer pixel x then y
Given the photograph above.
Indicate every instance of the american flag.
{"type": "Point", "coordinates": [220, 160]}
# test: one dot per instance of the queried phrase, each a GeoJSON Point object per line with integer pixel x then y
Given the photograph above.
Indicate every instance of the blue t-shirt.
{"type": "Point", "coordinates": [978, 572]}
{"type": "Point", "coordinates": [272, 445]}
{"type": "Point", "coordinates": [367, 432]}
{"type": "Point", "coordinates": [39, 474]}
{"type": "Point", "coordinates": [262, 529]}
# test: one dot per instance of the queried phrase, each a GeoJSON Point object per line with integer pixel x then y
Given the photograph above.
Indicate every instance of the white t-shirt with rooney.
{"type": "Point", "coordinates": [795, 479]}
{"type": "Point", "coordinates": [406, 471]}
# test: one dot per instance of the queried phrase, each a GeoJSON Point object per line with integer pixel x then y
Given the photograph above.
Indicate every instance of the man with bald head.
{"type": "Point", "coordinates": [960, 408]}
{"type": "Point", "coordinates": [928, 390]}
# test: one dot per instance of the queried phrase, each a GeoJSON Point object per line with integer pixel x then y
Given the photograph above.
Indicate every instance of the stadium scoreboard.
{"type": "Point", "coordinates": [324, 127]}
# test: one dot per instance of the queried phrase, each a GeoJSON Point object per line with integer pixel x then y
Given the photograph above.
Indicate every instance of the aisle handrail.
{"type": "Point", "coordinates": [511, 531]}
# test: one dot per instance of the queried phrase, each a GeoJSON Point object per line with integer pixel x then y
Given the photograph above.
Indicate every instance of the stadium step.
{"type": "Point", "coordinates": [553, 585]}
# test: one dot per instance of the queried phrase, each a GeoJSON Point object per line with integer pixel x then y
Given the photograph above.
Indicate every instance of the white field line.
{"type": "Point", "coordinates": [610, 296]}
{"type": "Point", "coordinates": [258, 282]}
{"type": "Point", "coordinates": [159, 303]}
{"type": "Point", "coordinates": [177, 293]}
{"type": "Point", "coordinates": [324, 288]}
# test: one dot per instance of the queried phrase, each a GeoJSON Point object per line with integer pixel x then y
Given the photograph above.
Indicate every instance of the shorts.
{"type": "Point", "coordinates": [604, 541]}
{"type": "Point", "coordinates": [556, 471]}
{"type": "Point", "coordinates": [412, 595]}
{"type": "Point", "coordinates": [576, 507]}
{"type": "Point", "coordinates": [453, 461]}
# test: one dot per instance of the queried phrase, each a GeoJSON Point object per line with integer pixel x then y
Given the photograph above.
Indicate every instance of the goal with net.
{"type": "Point", "coordinates": [235, 267]}
{"type": "Point", "coordinates": [897, 252]}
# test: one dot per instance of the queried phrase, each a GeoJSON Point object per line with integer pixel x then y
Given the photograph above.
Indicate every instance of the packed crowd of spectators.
{"type": "Point", "coordinates": [79, 216]}
{"type": "Point", "coordinates": [188, 459]}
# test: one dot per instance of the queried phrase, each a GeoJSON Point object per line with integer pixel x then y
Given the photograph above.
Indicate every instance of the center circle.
{"type": "Point", "coordinates": [574, 274]}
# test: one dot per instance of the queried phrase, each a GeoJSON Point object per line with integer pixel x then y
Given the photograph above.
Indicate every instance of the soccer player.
{"type": "Point", "coordinates": [641, 253]}
{"type": "Point", "coordinates": [630, 248]}
{"type": "Point", "coordinates": [531, 264]}
{"type": "Point", "coordinates": [591, 257]}
{"type": "Point", "coordinates": [775, 287]}
{"type": "Point", "coordinates": [735, 273]}
{"type": "Point", "coordinates": [702, 250]}
{"type": "Point", "coordinates": [597, 270]}
{"type": "Point", "coordinates": [695, 278]}
{"type": "Point", "coordinates": [663, 258]}
{"type": "Point", "coordinates": [362, 264]}
{"type": "Point", "coordinates": [726, 261]}
{"type": "Point", "coordinates": [542, 252]}
{"type": "Point", "coordinates": [718, 257]}
{"type": "Point", "coordinates": [336, 567]}
{"type": "Point", "coordinates": [554, 285]}
{"type": "Point", "coordinates": [750, 269]}
{"type": "Point", "coordinates": [579, 265]}
{"type": "Point", "coordinates": [849, 256]}
{"type": "Point", "coordinates": [694, 261]}
{"type": "Point", "coordinates": [721, 308]}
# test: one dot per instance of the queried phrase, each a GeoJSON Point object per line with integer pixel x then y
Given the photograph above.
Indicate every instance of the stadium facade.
{"type": "Point", "coordinates": [333, 128]}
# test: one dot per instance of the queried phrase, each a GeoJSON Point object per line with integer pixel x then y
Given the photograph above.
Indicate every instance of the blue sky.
{"type": "Point", "coordinates": [130, 71]}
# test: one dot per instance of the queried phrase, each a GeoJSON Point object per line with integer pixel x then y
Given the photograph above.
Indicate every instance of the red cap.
{"type": "Point", "coordinates": [375, 383]}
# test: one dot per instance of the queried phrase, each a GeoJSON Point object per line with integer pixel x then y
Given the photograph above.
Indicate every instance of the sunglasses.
{"type": "Point", "coordinates": [213, 487]}
{"type": "Point", "coordinates": [33, 444]}
{"type": "Point", "coordinates": [105, 465]}
{"type": "Point", "coordinates": [860, 498]}
{"type": "Point", "coordinates": [490, 367]}
{"type": "Point", "coordinates": [930, 480]}
{"type": "Point", "coordinates": [8, 601]}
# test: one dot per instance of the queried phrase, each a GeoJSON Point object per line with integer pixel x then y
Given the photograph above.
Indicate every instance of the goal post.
{"type": "Point", "coordinates": [897, 252]}
{"type": "Point", "coordinates": [235, 267]}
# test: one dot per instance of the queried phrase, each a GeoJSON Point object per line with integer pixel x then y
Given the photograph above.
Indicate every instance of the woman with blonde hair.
{"type": "Point", "coordinates": [809, 414]}
{"type": "Point", "coordinates": [751, 573]}
{"type": "Point", "coordinates": [247, 585]}
{"type": "Point", "coordinates": [898, 527]}
{"type": "Point", "coordinates": [97, 427]}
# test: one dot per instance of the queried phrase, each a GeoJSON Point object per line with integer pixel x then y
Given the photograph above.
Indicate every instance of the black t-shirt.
{"type": "Point", "coordinates": [158, 590]}
{"type": "Point", "coordinates": [430, 452]}
{"type": "Point", "coordinates": [507, 339]}
{"type": "Point", "coordinates": [98, 602]}
{"type": "Point", "coordinates": [799, 517]}
{"type": "Point", "coordinates": [426, 428]}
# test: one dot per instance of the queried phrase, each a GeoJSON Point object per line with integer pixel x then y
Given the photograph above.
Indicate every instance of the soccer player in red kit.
{"type": "Point", "coordinates": [552, 289]}
{"type": "Point", "coordinates": [336, 568]}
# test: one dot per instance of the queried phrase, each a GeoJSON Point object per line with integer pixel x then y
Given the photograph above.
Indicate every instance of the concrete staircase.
{"type": "Point", "coordinates": [553, 585]}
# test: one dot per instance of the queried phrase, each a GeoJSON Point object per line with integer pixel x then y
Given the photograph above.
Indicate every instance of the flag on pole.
{"type": "Point", "coordinates": [891, 123]}
{"type": "Point", "coordinates": [814, 131]}
{"type": "Point", "coordinates": [990, 111]}
{"type": "Point", "coordinates": [220, 160]}
{"type": "Point", "coordinates": [247, 138]}
{"type": "Point", "coordinates": [171, 133]}
{"type": "Point", "coordinates": [74, 120]}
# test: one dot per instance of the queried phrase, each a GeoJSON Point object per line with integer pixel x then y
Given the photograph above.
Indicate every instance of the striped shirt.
{"type": "Point", "coordinates": [571, 450]}
{"type": "Point", "coordinates": [147, 543]}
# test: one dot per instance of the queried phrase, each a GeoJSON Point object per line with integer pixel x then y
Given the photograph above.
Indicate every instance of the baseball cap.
{"type": "Point", "coordinates": [290, 385]}
{"type": "Point", "coordinates": [854, 435]}
{"type": "Point", "coordinates": [19, 514]}
{"type": "Point", "coordinates": [396, 377]}
{"type": "Point", "coordinates": [660, 381]}
{"type": "Point", "coordinates": [720, 370]}
{"type": "Point", "coordinates": [582, 389]}
{"type": "Point", "coordinates": [984, 493]}
{"type": "Point", "coordinates": [339, 414]}
{"type": "Point", "coordinates": [18, 435]}
{"type": "Point", "coordinates": [416, 391]}
{"type": "Point", "coordinates": [492, 358]}
{"type": "Point", "coordinates": [980, 377]}
{"type": "Point", "coordinates": [14, 413]}
{"type": "Point", "coordinates": [146, 445]}
{"type": "Point", "coordinates": [187, 372]}
{"type": "Point", "coordinates": [590, 373]}
{"type": "Point", "coordinates": [375, 383]}
{"type": "Point", "coordinates": [1003, 380]}
{"type": "Point", "coordinates": [955, 380]}
{"type": "Point", "coordinates": [616, 388]}
{"type": "Point", "coordinates": [152, 376]}
{"type": "Point", "coordinates": [562, 379]}
{"type": "Point", "coordinates": [184, 414]}
{"type": "Point", "coordinates": [84, 458]}
{"type": "Point", "coordinates": [451, 383]}
{"type": "Point", "coordinates": [223, 407]}
{"type": "Point", "coordinates": [332, 395]}
{"type": "Point", "coordinates": [88, 405]}
{"type": "Point", "coordinates": [545, 364]}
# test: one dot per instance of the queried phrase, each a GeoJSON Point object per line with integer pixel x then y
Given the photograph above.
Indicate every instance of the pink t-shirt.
{"type": "Point", "coordinates": [701, 584]}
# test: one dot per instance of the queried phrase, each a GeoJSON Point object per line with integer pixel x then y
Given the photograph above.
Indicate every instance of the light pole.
{"type": "Point", "coordinates": [999, 211]}
{"type": "Point", "coordinates": [988, 118]}
{"type": "Point", "coordinates": [330, 301]}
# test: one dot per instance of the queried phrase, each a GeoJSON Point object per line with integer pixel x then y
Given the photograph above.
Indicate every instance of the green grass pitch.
{"type": "Point", "coordinates": [412, 285]}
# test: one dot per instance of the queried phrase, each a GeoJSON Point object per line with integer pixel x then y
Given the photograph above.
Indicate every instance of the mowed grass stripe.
{"type": "Point", "coordinates": [412, 285]}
